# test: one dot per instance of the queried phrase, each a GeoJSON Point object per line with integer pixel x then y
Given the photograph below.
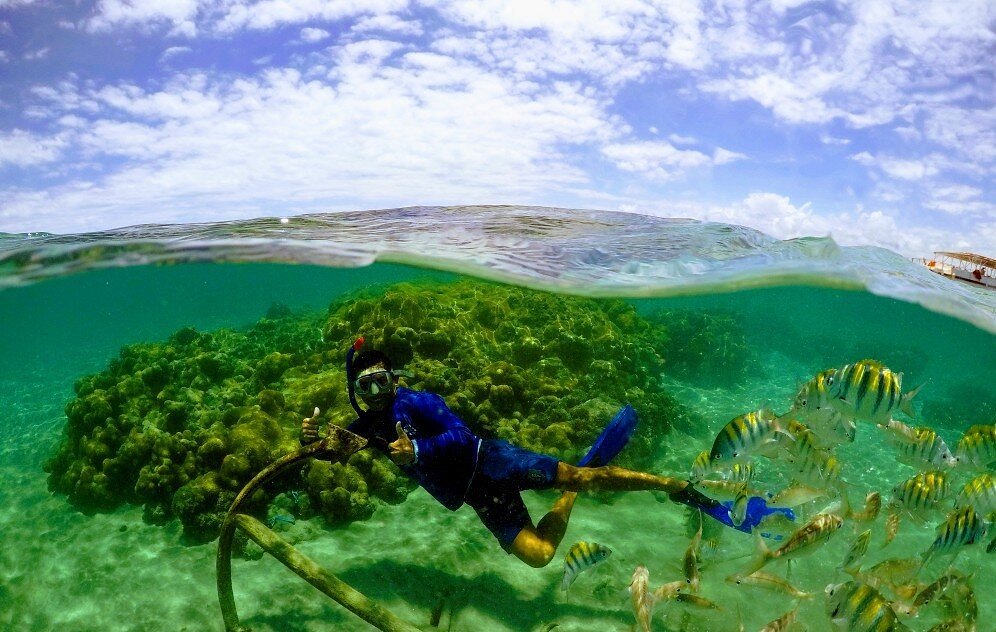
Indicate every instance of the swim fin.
{"type": "Point", "coordinates": [613, 439]}
{"type": "Point", "coordinates": [757, 508]}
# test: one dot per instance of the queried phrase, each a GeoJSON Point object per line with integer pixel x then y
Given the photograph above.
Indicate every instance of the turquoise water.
{"type": "Point", "coordinates": [61, 568]}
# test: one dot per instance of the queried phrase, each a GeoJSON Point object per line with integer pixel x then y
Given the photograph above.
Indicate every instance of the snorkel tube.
{"type": "Point", "coordinates": [350, 377]}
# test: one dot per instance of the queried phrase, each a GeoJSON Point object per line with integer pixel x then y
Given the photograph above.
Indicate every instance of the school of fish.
{"type": "Point", "coordinates": [953, 490]}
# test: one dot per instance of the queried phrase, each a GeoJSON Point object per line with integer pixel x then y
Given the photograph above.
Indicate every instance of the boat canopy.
{"type": "Point", "coordinates": [969, 257]}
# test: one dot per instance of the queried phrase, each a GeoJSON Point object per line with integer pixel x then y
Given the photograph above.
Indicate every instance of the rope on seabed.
{"type": "Point", "coordinates": [338, 446]}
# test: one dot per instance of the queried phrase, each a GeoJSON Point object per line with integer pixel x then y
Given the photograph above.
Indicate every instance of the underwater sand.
{"type": "Point", "coordinates": [61, 569]}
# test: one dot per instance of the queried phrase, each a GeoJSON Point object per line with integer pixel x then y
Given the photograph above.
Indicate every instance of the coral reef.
{"type": "Point", "coordinates": [706, 347]}
{"type": "Point", "coordinates": [181, 426]}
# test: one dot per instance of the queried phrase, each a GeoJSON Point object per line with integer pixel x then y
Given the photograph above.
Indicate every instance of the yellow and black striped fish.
{"type": "Point", "coordinates": [813, 396]}
{"type": "Point", "coordinates": [926, 449]}
{"type": "Point", "coordinates": [870, 391]}
{"type": "Point", "coordinates": [921, 492]}
{"type": "Point", "coordinates": [700, 467]}
{"type": "Point", "coordinates": [962, 528]}
{"type": "Point", "coordinates": [749, 434]}
{"type": "Point", "coordinates": [857, 550]}
{"type": "Point", "coordinates": [858, 607]}
{"type": "Point", "coordinates": [581, 557]}
{"type": "Point", "coordinates": [980, 492]}
{"type": "Point", "coordinates": [977, 447]}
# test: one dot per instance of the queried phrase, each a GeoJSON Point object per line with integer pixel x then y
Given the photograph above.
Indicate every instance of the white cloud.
{"type": "Point", "coordinates": [390, 130]}
{"type": "Point", "coordinates": [658, 160]}
{"type": "Point", "coordinates": [312, 35]}
{"type": "Point", "coordinates": [179, 15]}
{"type": "Point", "coordinates": [827, 139]}
{"type": "Point", "coordinates": [34, 55]}
{"type": "Point", "coordinates": [678, 139]}
{"type": "Point", "coordinates": [775, 214]}
{"type": "Point", "coordinates": [898, 167]}
{"type": "Point", "coordinates": [387, 23]}
{"type": "Point", "coordinates": [173, 51]}
{"type": "Point", "coordinates": [723, 156]}
{"type": "Point", "coordinates": [24, 149]}
{"type": "Point", "coordinates": [959, 199]}
{"type": "Point", "coordinates": [267, 14]}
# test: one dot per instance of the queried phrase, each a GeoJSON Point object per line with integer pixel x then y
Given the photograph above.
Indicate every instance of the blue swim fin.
{"type": "Point", "coordinates": [613, 439]}
{"type": "Point", "coordinates": [757, 508]}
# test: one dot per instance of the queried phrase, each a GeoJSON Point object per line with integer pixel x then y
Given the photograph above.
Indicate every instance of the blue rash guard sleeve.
{"type": "Point", "coordinates": [446, 449]}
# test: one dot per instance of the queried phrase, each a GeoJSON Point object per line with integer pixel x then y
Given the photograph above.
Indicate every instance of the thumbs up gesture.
{"type": "Point", "coordinates": [309, 428]}
{"type": "Point", "coordinates": [402, 451]}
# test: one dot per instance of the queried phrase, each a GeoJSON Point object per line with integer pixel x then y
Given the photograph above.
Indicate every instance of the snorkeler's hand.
{"type": "Point", "coordinates": [402, 451]}
{"type": "Point", "coordinates": [309, 428]}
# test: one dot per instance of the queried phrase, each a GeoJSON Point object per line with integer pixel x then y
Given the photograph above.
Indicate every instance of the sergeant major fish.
{"type": "Point", "coordinates": [868, 390]}
{"type": "Point", "coordinates": [858, 607]}
{"type": "Point", "coordinates": [857, 551]}
{"type": "Point", "coordinates": [926, 449]}
{"type": "Point", "coordinates": [962, 528]}
{"type": "Point", "coordinates": [921, 492]}
{"type": "Point", "coordinates": [581, 557]}
{"type": "Point", "coordinates": [750, 434]}
{"type": "Point", "coordinates": [977, 447]}
{"type": "Point", "coordinates": [980, 492]}
{"type": "Point", "coordinates": [815, 532]}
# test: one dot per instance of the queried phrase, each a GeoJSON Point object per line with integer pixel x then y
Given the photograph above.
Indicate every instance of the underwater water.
{"type": "Point", "coordinates": [694, 324]}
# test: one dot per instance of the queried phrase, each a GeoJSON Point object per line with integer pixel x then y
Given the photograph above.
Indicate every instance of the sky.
{"type": "Point", "coordinates": [872, 121]}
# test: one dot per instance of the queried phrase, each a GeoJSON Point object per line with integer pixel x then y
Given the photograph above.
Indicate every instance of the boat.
{"type": "Point", "coordinates": [963, 266]}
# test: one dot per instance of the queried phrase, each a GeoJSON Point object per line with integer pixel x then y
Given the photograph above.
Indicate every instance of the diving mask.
{"type": "Point", "coordinates": [374, 382]}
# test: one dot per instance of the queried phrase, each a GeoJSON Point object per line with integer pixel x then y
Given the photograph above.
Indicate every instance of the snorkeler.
{"type": "Point", "coordinates": [433, 446]}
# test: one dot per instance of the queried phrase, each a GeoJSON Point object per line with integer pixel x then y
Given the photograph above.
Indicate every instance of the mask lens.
{"type": "Point", "coordinates": [365, 384]}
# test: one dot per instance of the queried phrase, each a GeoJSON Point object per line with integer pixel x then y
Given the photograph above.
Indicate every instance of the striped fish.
{"type": "Point", "coordinates": [977, 447]}
{"type": "Point", "coordinates": [857, 551]}
{"type": "Point", "coordinates": [738, 511]}
{"type": "Point", "coordinates": [873, 504]}
{"type": "Point", "coordinates": [813, 396]}
{"type": "Point", "coordinates": [641, 597]}
{"type": "Point", "coordinates": [581, 557]}
{"type": "Point", "coordinates": [690, 562]}
{"type": "Point", "coordinates": [858, 607]}
{"type": "Point", "coordinates": [922, 492]}
{"type": "Point", "coordinates": [832, 428]}
{"type": "Point", "coordinates": [962, 528]}
{"type": "Point", "coordinates": [740, 473]}
{"type": "Point", "coordinates": [782, 623]}
{"type": "Point", "coordinates": [815, 532]}
{"type": "Point", "coordinates": [927, 449]}
{"type": "Point", "coordinates": [753, 433]}
{"type": "Point", "coordinates": [701, 467]}
{"type": "Point", "coordinates": [869, 391]}
{"type": "Point", "coordinates": [894, 572]}
{"type": "Point", "coordinates": [817, 468]}
{"type": "Point", "coordinates": [979, 492]}
{"type": "Point", "coordinates": [936, 588]}
{"type": "Point", "coordinates": [891, 524]}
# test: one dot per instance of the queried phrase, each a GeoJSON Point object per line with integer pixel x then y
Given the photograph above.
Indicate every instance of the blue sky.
{"type": "Point", "coordinates": [871, 121]}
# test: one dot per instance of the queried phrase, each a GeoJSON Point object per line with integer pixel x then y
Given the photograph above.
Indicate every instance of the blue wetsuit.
{"type": "Point", "coordinates": [455, 466]}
